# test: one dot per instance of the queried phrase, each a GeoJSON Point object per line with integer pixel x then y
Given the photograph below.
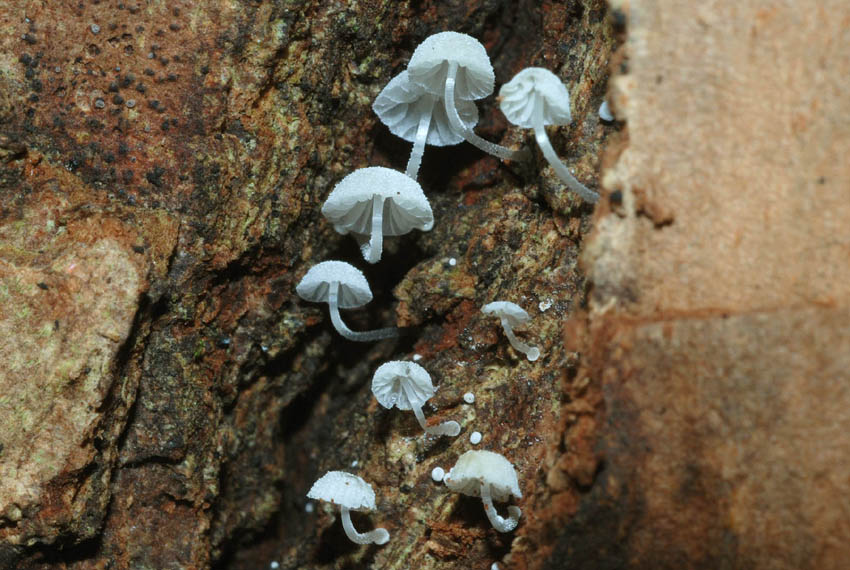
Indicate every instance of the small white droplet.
{"type": "Point", "coordinates": [605, 112]}
{"type": "Point", "coordinates": [354, 463]}
{"type": "Point", "coordinates": [544, 305]}
{"type": "Point", "coordinates": [95, 29]}
{"type": "Point", "coordinates": [437, 474]}
{"type": "Point", "coordinates": [417, 357]}
{"type": "Point", "coordinates": [452, 261]}
{"type": "Point", "coordinates": [309, 507]}
{"type": "Point", "coordinates": [274, 565]}
{"type": "Point", "coordinates": [494, 566]}
{"type": "Point", "coordinates": [475, 438]}
{"type": "Point", "coordinates": [469, 397]}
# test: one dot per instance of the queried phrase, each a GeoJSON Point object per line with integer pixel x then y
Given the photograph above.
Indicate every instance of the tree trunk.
{"type": "Point", "coordinates": [167, 400]}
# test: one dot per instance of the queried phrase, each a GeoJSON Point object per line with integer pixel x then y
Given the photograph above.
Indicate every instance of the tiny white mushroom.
{"type": "Point", "coordinates": [407, 386]}
{"type": "Point", "coordinates": [420, 117]}
{"type": "Point", "coordinates": [469, 398]}
{"type": "Point", "coordinates": [490, 476]}
{"type": "Point", "coordinates": [605, 112]}
{"type": "Point", "coordinates": [512, 315]}
{"type": "Point", "coordinates": [456, 66]}
{"type": "Point", "coordinates": [340, 285]}
{"type": "Point", "coordinates": [437, 474]}
{"type": "Point", "coordinates": [475, 438]}
{"type": "Point", "coordinates": [351, 493]}
{"type": "Point", "coordinates": [377, 201]}
{"type": "Point", "coordinates": [534, 98]}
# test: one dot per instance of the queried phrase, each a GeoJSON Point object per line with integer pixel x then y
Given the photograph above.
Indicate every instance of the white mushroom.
{"type": "Point", "coordinates": [456, 66]}
{"type": "Point", "coordinates": [340, 284]}
{"type": "Point", "coordinates": [490, 476]}
{"type": "Point", "coordinates": [407, 386]}
{"type": "Point", "coordinates": [512, 315]}
{"type": "Point", "coordinates": [534, 98]}
{"type": "Point", "coordinates": [420, 117]}
{"type": "Point", "coordinates": [351, 493]}
{"type": "Point", "coordinates": [605, 112]}
{"type": "Point", "coordinates": [377, 201]}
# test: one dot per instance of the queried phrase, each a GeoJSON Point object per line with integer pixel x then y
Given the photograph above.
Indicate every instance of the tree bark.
{"type": "Point", "coordinates": [167, 400]}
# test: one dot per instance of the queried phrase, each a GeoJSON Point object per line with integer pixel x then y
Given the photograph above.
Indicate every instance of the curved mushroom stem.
{"type": "Point", "coordinates": [450, 428]}
{"type": "Point", "coordinates": [376, 240]}
{"type": "Point", "coordinates": [499, 523]}
{"type": "Point", "coordinates": [415, 159]}
{"type": "Point", "coordinates": [530, 352]}
{"type": "Point", "coordinates": [549, 154]}
{"type": "Point", "coordinates": [377, 536]}
{"type": "Point", "coordinates": [365, 336]}
{"type": "Point", "coordinates": [467, 133]}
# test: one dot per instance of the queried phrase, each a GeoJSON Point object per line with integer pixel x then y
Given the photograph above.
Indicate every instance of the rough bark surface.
{"type": "Point", "coordinates": [166, 400]}
{"type": "Point", "coordinates": [717, 336]}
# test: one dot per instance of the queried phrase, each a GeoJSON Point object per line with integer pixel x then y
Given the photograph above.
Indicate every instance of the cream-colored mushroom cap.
{"type": "Point", "coordinates": [401, 104]}
{"type": "Point", "coordinates": [402, 384]}
{"type": "Point", "coordinates": [349, 206]}
{"type": "Point", "coordinates": [344, 489]}
{"type": "Point", "coordinates": [531, 87]}
{"type": "Point", "coordinates": [513, 313]}
{"type": "Point", "coordinates": [353, 288]}
{"type": "Point", "coordinates": [475, 77]}
{"type": "Point", "coordinates": [475, 468]}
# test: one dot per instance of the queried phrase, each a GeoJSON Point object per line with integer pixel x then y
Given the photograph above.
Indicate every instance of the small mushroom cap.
{"type": "Point", "coordinates": [349, 206]}
{"type": "Point", "coordinates": [401, 104]}
{"type": "Point", "coordinates": [344, 489]}
{"type": "Point", "coordinates": [402, 384]}
{"type": "Point", "coordinates": [476, 467]}
{"type": "Point", "coordinates": [535, 86]}
{"type": "Point", "coordinates": [353, 288]}
{"type": "Point", "coordinates": [475, 77]}
{"type": "Point", "coordinates": [514, 314]}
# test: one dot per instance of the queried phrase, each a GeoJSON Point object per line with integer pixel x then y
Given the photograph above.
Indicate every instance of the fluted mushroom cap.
{"type": "Point", "coordinates": [476, 467]}
{"type": "Point", "coordinates": [535, 86]}
{"type": "Point", "coordinates": [349, 206]}
{"type": "Point", "coordinates": [353, 288]}
{"type": "Point", "coordinates": [514, 314]}
{"type": "Point", "coordinates": [344, 489]}
{"type": "Point", "coordinates": [475, 77]}
{"type": "Point", "coordinates": [402, 384]}
{"type": "Point", "coordinates": [400, 106]}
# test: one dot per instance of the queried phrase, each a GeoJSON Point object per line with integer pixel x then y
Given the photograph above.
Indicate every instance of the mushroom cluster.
{"type": "Point", "coordinates": [431, 102]}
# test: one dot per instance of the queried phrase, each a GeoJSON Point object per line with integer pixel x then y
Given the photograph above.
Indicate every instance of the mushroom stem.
{"type": "Point", "coordinates": [415, 159]}
{"type": "Point", "coordinates": [377, 536]}
{"type": "Point", "coordinates": [376, 240]}
{"type": "Point", "coordinates": [365, 336]}
{"type": "Point", "coordinates": [499, 523]}
{"type": "Point", "coordinates": [450, 428]}
{"type": "Point", "coordinates": [467, 133]}
{"type": "Point", "coordinates": [531, 352]}
{"type": "Point", "coordinates": [549, 154]}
